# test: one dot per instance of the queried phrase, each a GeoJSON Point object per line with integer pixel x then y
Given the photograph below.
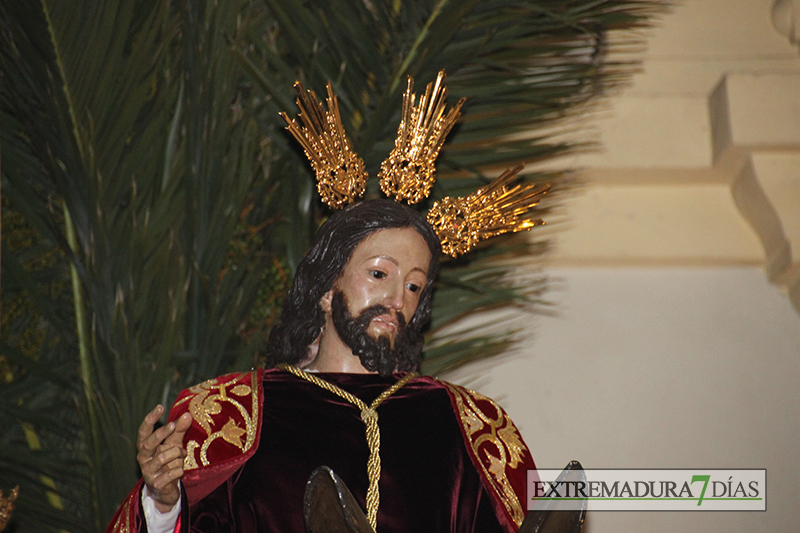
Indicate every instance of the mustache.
{"type": "Point", "coordinates": [366, 316]}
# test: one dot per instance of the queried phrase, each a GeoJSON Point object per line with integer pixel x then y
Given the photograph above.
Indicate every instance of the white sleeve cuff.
{"type": "Point", "coordinates": [158, 522]}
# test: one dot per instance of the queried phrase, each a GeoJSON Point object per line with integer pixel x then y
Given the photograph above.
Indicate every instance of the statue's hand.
{"type": "Point", "coordinates": [160, 457]}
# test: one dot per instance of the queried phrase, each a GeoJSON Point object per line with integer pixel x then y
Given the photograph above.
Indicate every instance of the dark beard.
{"type": "Point", "coordinates": [376, 355]}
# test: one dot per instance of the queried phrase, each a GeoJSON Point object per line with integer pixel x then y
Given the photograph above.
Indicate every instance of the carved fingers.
{"type": "Point", "coordinates": [160, 457]}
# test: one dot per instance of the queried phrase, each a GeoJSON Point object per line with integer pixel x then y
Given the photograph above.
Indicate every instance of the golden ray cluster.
{"type": "Point", "coordinates": [408, 173]}
{"type": "Point", "coordinates": [340, 172]}
{"type": "Point", "coordinates": [492, 210]}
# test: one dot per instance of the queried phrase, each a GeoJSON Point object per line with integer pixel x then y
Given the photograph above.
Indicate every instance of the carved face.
{"type": "Point", "coordinates": [389, 269]}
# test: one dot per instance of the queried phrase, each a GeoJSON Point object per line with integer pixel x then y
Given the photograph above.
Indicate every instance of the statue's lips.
{"type": "Point", "coordinates": [386, 320]}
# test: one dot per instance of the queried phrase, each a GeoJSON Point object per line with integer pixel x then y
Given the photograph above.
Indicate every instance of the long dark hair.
{"type": "Point", "coordinates": [302, 318]}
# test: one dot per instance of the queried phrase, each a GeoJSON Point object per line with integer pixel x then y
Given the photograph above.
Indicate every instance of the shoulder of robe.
{"type": "Point", "coordinates": [497, 450]}
{"type": "Point", "coordinates": [226, 418]}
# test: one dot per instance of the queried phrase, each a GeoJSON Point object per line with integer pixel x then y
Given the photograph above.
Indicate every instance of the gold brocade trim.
{"type": "Point", "coordinates": [370, 417]}
{"type": "Point", "coordinates": [123, 523]}
{"type": "Point", "coordinates": [501, 434]}
{"type": "Point", "coordinates": [7, 506]}
{"type": "Point", "coordinates": [204, 404]}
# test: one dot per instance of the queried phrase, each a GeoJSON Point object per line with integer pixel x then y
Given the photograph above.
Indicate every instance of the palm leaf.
{"type": "Point", "coordinates": [144, 204]}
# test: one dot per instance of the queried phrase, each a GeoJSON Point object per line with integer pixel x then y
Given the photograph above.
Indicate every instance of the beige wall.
{"type": "Point", "coordinates": [661, 368]}
{"type": "Point", "coordinates": [675, 340]}
{"type": "Point", "coordinates": [701, 154]}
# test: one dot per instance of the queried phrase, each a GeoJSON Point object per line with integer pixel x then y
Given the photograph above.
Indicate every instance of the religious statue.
{"type": "Point", "coordinates": [341, 388]}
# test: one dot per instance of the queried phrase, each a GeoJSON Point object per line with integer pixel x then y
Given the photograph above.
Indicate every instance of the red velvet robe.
{"type": "Point", "coordinates": [452, 460]}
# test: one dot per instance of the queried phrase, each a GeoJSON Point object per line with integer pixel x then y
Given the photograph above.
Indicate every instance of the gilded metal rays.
{"type": "Point", "coordinates": [408, 173]}
{"type": "Point", "coordinates": [340, 172]}
{"type": "Point", "coordinates": [493, 210]}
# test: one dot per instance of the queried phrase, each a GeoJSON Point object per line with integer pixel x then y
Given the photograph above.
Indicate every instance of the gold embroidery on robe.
{"type": "Point", "coordinates": [123, 523]}
{"type": "Point", "coordinates": [207, 402]}
{"type": "Point", "coordinates": [487, 433]}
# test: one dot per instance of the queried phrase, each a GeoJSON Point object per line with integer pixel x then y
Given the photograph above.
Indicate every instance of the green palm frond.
{"type": "Point", "coordinates": [121, 151]}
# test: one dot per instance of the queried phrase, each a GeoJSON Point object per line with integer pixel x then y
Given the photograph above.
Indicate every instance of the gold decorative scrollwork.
{"type": "Point", "coordinates": [495, 442]}
{"type": "Point", "coordinates": [207, 402]}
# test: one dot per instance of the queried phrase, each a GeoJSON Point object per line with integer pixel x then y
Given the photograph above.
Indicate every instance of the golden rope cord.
{"type": "Point", "coordinates": [370, 417]}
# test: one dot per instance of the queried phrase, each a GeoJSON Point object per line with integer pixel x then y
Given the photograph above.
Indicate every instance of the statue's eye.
{"type": "Point", "coordinates": [377, 274]}
{"type": "Point", "coordinates": [413, 287]}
